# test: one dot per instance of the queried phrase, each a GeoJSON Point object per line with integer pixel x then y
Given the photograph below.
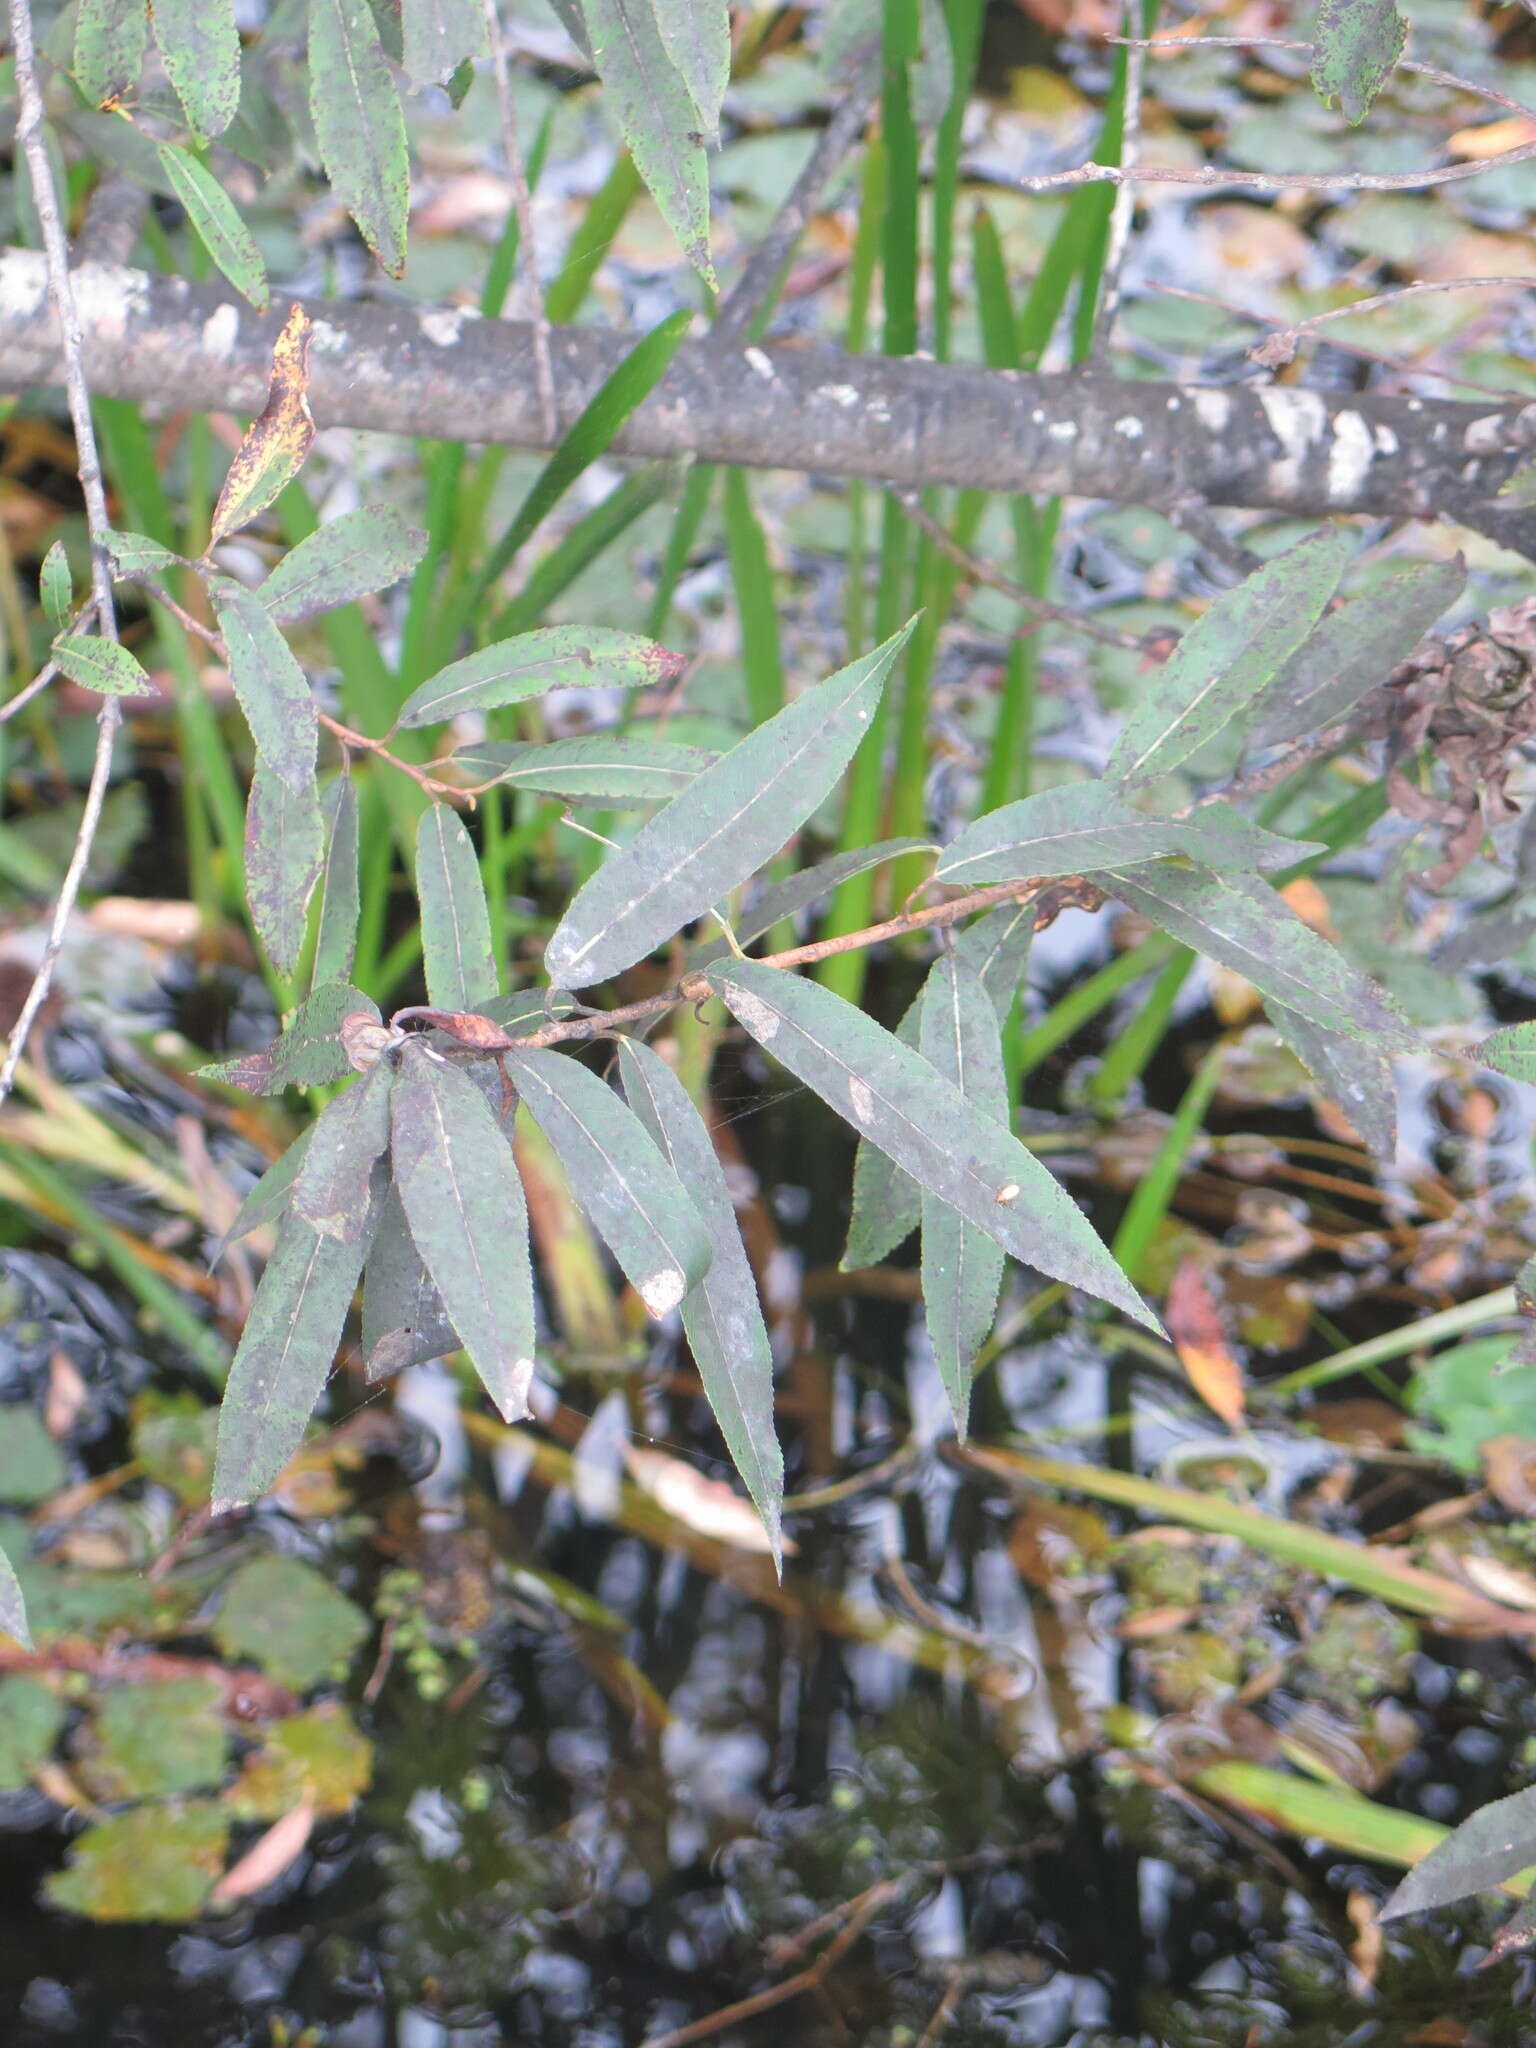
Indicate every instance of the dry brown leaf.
{"type": "Point", "coordinates": [1194, 1323]}
{"type": "Point", "coordinates": [267, 1858]}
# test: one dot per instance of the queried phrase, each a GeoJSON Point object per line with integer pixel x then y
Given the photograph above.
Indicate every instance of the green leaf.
{"type": "Point", "coordinates": [731, 822]}
{"type": "Point", "coordinates": [962, 1268]}
{"type": "Point", "coordinates": [1228, 656]}
{"type": "Point", "coordinates": [788, 898]}
{"type": "Point", "coordinates": [309, 1053]}
{"type": "Point", "coordinates": [437, 36]}
{"type": "Point", "coordinates": [656, 115]}
{"type": "Point", "coordinates": [340, 891]}
{"type": "Point", "coordinates": [135, 554]}
{"type": "Point", "coordinates": [996, 946]}
{"type": "Point", "coordinates": [56, 585]}
{"type": "Point", "coordinates": [722, 1319]}
{"type": "Point", "coordinates": [405, 1321]}
{"type": "Point", "coordinates": [32, 1466]}
{"type": "Point", "coordinates": [273, 693]}
{"type": "Point", "coordinates": [110, 39]}
{"type": "Point", "coordinates": [321, 1756]}
{"type": "Point", "coordinates": [200, 49]}
{"type": "Point", "coordinates": [156, 1739]}
{"type": "Point", "coordinates": [32, 1718]}
{"type": "Point", "coordinates": [455, 922]}
{"type": "Point", "coordinates": [696, 35]}
{"type": "Point", "coordinates": [1242, 923]}
{"type": "Point", "coordinates": [464, 1202]}
{"type": "Point", "coordinates": [331, 1190]}
{"type": "Point", "coordinates": [13, 1608]}
{"type": "Point", "coordinates": [1497, 1842]}
{"type": "Point", "coordinates": [284, 1358]}
{"type": "Point", "coordinates": [284, 852]}
{"type": "Point", "coordinates": [1059, 832]}
{"type": "Point", "coordinates": [887, 1203]}
{"type": "Point", "coordinates": [102, 665]}
{"type": "Point", "coordinates": [1220, 837]}
{"type": "Point", "coordinates": [621, 391]}
{"type": "Point", "coordinates": [347, 558]}
{"type": "Point", "coordinates": [269, 1200]}
{"type": "Point", "coordinates": [1354, 1076]}
{"type": "Point", "coordinates": [1511, 1051]}
{"type": "Point", "coordinates": [610, 768]}
{"type": "Point", "coordinates": [554, 658]}
{"type": "Point", "coordinates": [895, 1098]}
{"type": "Point", "coordinates": [1350, 650]}
{"type": "Point", "coordinates": [1357, 43]}
{"type": "Point", "coordinates": [288, 1618]}
{"type": "Point", "coordinates": [623, 1183]}
{"type": "Point", "coordinates": [359, 126]}
{"type": "Point", "coordinates": [152, 1863]}
{"type": "Point", "coordinates": [217, 223]}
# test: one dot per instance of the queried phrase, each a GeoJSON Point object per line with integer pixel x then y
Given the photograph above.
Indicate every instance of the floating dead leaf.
{"type": "Point", "coordinates": [1054, 1538]}
{"type": "Point", "coordinates": [273, 452]}
{"type": "Point", "coordinates": [1364, 1424]}
{"type": "Point", "coordinates": [1310, 905]}
{"type": "Point", "coordinates": [1195, 1325]}
{"type": "Point", "coordinates": [708, 1506]}
{"type": "Point", "coordinates": [1492, 138]}
{"type": "Point", "coordinates": [267, 1858]}
{"type": "Point", "coordinates": [66, 1395]}
{"type": "Point", "coordinates": [1509, 1466]}
{"type": "Point", "coordinates": [1273, 1311]}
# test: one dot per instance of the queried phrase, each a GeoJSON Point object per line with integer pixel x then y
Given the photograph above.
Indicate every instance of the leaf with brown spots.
{"type": "Point", "coordinates": [273, 452]}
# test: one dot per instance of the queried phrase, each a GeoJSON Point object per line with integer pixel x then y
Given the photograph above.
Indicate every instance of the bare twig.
{"type": "Point", "coordinates": [517, 171]}
{"type": "Point", "coordinates": [1124, 207]}
{"type": "Point", "coordinates": [35, 688]}
{"type": "Point", "coordinates": [1282, 344]}
{"type": "Point", "coordinates": [1221, 178]}
{"type": "Point", "coordinates": [752, 289]}
{"type": "Point", "coordinates": [983, 572]}
{"type": "Point", "coordinates": [29, 135]}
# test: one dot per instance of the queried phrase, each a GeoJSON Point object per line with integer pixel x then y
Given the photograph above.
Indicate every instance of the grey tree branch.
{"type": "Point", "coordinates": [906, 422]}
{"type": "Point", "coordinates": [65, 312]}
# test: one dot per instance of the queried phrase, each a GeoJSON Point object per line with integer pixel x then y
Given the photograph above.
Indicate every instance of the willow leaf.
{"type": "Point", "coordinates": [617, 1175]}
{"type": "Point", "coordinates": [696, 35]}
{"type": "Point", "coordinates": [1497, 1842]}
{"type": "Point", "coordinates": [284, 851]}
{"type": "Point", "coordinates": [102, 665]}
{"type": "Point", "coordinates": [308, 1054]}
{"type": "Point", "coordinates": [364, 550]}
{"type": "Point", "coordinates": [217, 222]}
{"type": "Point", "coordinates": [330, 1191]}
{"type": "Point", "coordinates": [1352, 1074]}
{"type": "Point", "coordinates": [455, 922]}
{"type": "Point", "coordinates": [340, 888]}
{"type": "Point", "coordinates": [405, 1321]}
{"type": "Point", "coordinates": [553, 658]}
{"type": "Point", "coordinates": [1059, 832]}
{"type": "Point", "coordinates": [110, 39]}
{"type": "Point", "coordinates": [895, 1098]}
{"type": "Point", "coordinates": [438, 35]}
{"type": "Point", "coordinates": [359, 126]}
{"type": "Point", "coordinates": [269, 1200]}
{"type": "Point", "coordinates": [199, 46]}
{"type": "Point", "coordinates": [722, 1319]}
{"type": "Point", "coordinates": [463, 1199]}
{"type": "Point", "coordinates": [608, 768]}
{"type": "Point", "coordinates": [656, 116]}
{"type": "Point", "coordinates": [734, 819]}
{"type": "Point", "coordinates": [273, 693]}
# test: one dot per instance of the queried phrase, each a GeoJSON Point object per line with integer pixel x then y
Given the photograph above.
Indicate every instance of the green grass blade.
{"type": "Point", "coordinates": [753, 578]}
{"type": "Point", "coordinates": [1155, 1190]}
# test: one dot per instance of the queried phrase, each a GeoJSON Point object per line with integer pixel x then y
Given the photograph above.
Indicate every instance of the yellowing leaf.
{"type": "Point", "coordinates": [1194, 1324]}
{"type": "Point", "coordinates": [273, 452]}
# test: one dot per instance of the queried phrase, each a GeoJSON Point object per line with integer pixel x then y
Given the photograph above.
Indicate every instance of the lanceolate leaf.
{"type": "Point", "coordinates": [455, 924]}
{"type": "Point", "coordinates": [598, 768]}
{"type": "Point", "coordinates": [284, 1357]}
{"type": "Point", "coordinates": [331, 1189]}
{"type": "Point", "coordinates": [1351, 650]}
{"type": "Point", "coordinates": [218, 225]}
{"type": "Point", "coordinates": [464, 1202]}
{"type": "Point", "coordinates": [1353, 1075]}
{"type": "Point", "coordinates": [1221, 838]}
{"type": "Point", "coordinates": [13, 1608]}
{"type": "Point", "coordinates": [200, 49]}
{"type": "Point", "coordinates": [135, 554]}
{"type": "Point", "coordinates": [309, 1054]}
{"type": "Point", "coordinates": [284, 848]}
{"type": "Point", "coordinates": [437, 36]}
{"type": "Point", "coordinates": [1497, 1842]}
{"type": "Point", "coordinates": [110, 36]}
{"type": "Point", "coordinates": [554, 658]}
{"type": "Point", "coordinates": [269, 1199]}
{"type": "Point", "coordinates": [617, 1175]}
{"type": "Point", "coordinates": [1059, 832]}
{"type": "Point", "coordinates": [101, 665]}
{"type": "Point", "coordinates": [1227, 657]}
{"type": "Point", "coordinates": [894, 1097]}
{"type": "Point", "coordinates": [273, 452]}
{"type": "Point", "coordinates": [656, 114]}
{"type": "Point", "coordinates": [56, 586]}
{"type": "Point", "coordinates": [1358, 43]}
{"type": "Point", "coordinates": [721, 1317]}
{"type": "Point", "coordinates": [696, 35]}
{"type": "Point", "coordinates": [962, 1268]}
{"type": "Point", "coordinates": [1242, 923]}
{"type": "Point", "coordinates": [887, 1203]}
{"type": "Point", "coordinates": [340, 893]}
{"type": "Point", "coordinates": [996, 946]}
{"type": "Point", "coordinates": [359, 126]}
{"type": "Point", "coordinates": [789, 898]}
{"type": "Point", "coordinates": [734, 818]}
{"type": "Point", "coordinates": [271, 687]}
{"type": "Point", "coordinates": [404, 1319]}
{"type": "Point", "coordinates": [362, 551]}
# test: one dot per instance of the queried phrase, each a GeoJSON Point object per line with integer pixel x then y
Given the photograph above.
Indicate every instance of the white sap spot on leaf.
{"type": "Point", "coordinates": [759, 1019]}
{"type": "Point", "coordinates": [863, 1103]}
{"type": "Point", "coordinates": [1010, 1193]}
{"type": "Point", "coordinates": [663, 1291]}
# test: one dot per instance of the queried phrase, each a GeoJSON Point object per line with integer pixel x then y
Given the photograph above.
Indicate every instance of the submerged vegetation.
{"type": "Point", "coordinates": [765, 1160]}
